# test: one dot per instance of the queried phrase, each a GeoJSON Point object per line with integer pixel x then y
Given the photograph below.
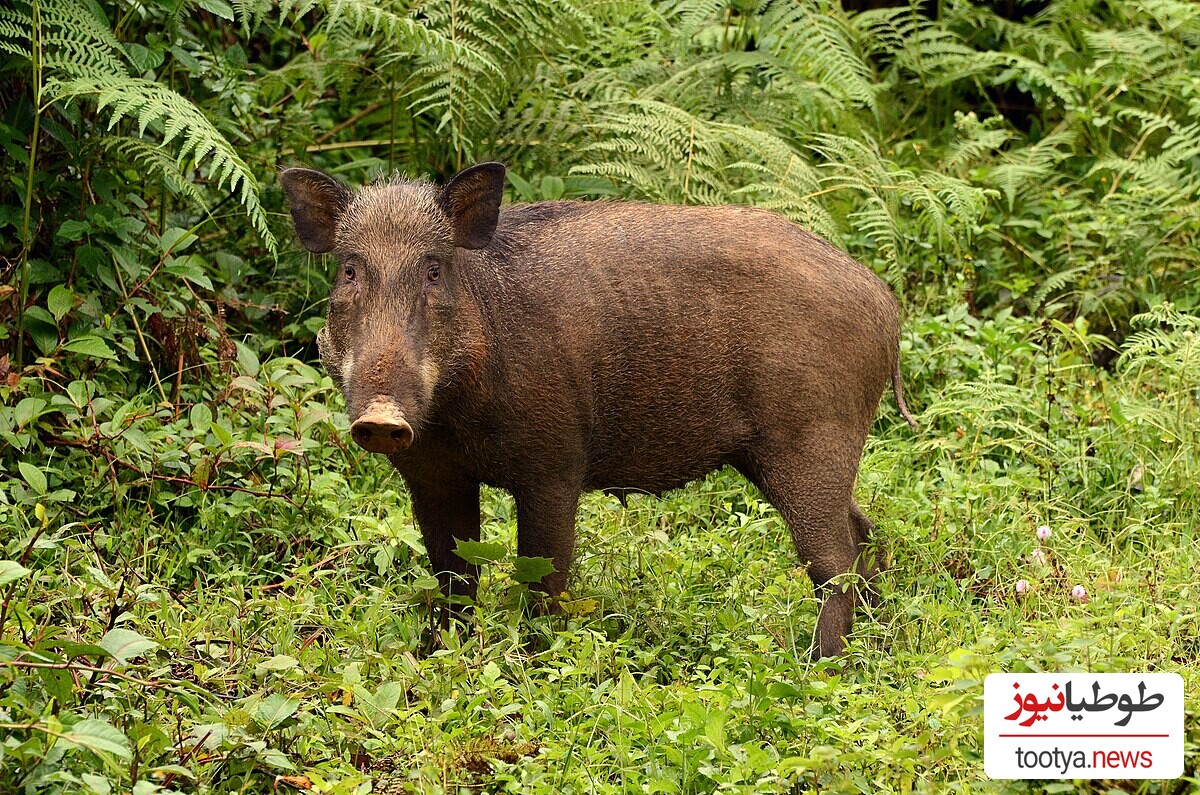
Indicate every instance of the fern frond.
{"type": "Point", "coordinates": [1032, 163]}
{"type": "Point", "coordinates": [152, 103]}
{"type": "Point", "coordinates": [821, 45]}
{"type": "Point", "coordinates": [75, 37]}
{"type": "Point", "coordinates": [976, 139]}
{"type": "Point", "coordinates": [155, 160]}
{"type": "Point", "coordinates": [891, 192]}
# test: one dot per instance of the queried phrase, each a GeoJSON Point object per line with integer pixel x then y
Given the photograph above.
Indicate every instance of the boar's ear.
{"type": "Point", "coordinates": [316, 201]}
{"type": "Point", "coordinates": [472, 200]}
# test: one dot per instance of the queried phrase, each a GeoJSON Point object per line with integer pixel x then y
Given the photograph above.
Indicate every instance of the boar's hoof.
{"type": "Point", "coordinates": [381, 434]}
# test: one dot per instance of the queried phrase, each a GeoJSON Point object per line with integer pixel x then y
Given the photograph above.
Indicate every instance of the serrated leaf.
{"type": "Point", "coordinates": [60, 300]}
{"type": "Point", "coordinates": [11, 571]}
{"type": "Point", "coordinates": [480, 552]}
{"type": "Point", "coordinates": [33, 476]}
{"type": "Point", "coordinates": [73, 230]}
{"type": "Point", "coordinates": [98, 737]}
{"type": "Point", "coordinates": [143, 58]}
{"type": "Point", "coordinates": [274, 710]}
{"type": "Point", "coordinates": [191, 268]}
{"type": "Point", "coordinates": [90, 346]}
{"type": "Point", "coordinates": [124, 644]}
{"type": "Point", "coordinates": [531, 569]}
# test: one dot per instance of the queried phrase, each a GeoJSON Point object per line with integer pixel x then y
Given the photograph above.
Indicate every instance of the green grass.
{"type": "Point", "coordinates": [291, 640]}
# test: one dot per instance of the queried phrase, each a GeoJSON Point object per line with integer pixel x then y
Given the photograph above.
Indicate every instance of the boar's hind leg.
{"type": "Point", "coordinates": [809, 484]}
{"type": "Point", "coordinates": [444, 514]}
{"type": "Point", "coordinates": [546, 529]}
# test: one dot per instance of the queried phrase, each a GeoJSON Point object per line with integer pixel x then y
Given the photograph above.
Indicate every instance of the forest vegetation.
{"type": "Point", "coordinates": [206, 588]}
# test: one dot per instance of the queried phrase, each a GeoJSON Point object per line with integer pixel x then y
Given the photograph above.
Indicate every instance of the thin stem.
{"type": "Point", "coordinates": [35, 52]}
{"type": "Point", "coordinates": [137, 327]}
{"type": "Point", "coordinates": [392, 123]}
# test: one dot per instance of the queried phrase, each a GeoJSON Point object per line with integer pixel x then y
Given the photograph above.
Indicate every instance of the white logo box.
{"type": "Point", "coordinates": [1077, 726]}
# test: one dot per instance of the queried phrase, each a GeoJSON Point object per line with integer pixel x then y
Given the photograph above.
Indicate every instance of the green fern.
{"type": "Point", "coordinates": [83, 59]}
{"type": "Point", "coordinates": [153, 104]}
{"type": "Point", "coordinates": [155, 160]}
{"type": "Point", "coordinates": [75, 37]}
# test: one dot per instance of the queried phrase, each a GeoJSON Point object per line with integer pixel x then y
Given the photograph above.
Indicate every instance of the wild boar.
{"type": "Point", "coordinates": [558, 347]}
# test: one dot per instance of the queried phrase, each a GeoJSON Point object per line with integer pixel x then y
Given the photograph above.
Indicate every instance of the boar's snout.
{"type": "Point", "coordinates": [382, 429]}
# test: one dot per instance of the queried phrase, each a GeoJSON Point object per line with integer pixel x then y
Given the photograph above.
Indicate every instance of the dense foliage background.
{"type": "Point", "coordinates": [204, 588]}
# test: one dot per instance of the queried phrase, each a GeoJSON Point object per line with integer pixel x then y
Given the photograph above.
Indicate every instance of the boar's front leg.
{"type": "Point", "coordinates": [546, 528]}
{"type": "Point", "coordinates": [447, 512]}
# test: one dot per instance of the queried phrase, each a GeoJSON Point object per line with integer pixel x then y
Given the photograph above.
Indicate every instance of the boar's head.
{"type": "Point", "coordinates": [399, 317]}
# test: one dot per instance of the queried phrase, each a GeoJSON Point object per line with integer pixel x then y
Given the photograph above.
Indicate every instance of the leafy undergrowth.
{"type": "Point", "coordinates": [240, 603]}
{"type": "Point", "coordinates": [205, 589]}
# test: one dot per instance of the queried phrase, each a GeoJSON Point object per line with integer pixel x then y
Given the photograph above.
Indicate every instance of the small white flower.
{"type": "Point", "coordinates": [1043, 532]}
{"type": "Point", "coordinates": [1022, 587]}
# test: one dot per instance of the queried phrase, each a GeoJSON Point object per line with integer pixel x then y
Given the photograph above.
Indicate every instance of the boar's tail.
{"type": "Point", "coordinates": [898, 391]}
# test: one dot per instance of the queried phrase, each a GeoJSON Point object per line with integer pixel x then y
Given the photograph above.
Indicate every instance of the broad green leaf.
{"type": "Point", "coordinates": [191, 268]}
{"type": "Point", "coordinates": [378, 706]}
{"type": "Point", "coordinates": [223, 434]}
{"type": "Point", "coordinates": [201, 418]}
{"type": "Point", "coordinates": [480, 552]}
{"type": "Point", "coordinates": [531, 569]}
{"type": "Point", "coordinates": [280, 662]}
{"type": "Point", "coordinates": [60, 300]}
{"type": "Point", "coordinates": [28, 409]}
{"type": "Point", "coordinates": [388, 695]}
{"type": "Point", "coordinates": [90, 346]}
{"type": "Point", "coordinates": [124, 644]}
{"type": "Point", "coordinates": [524, 190]}
{"type": "Point", "coordinates": [11, 571]}
{"type": "Point", "coordinates": [714, 729]}
{"type": "Point", "coordinates": [98, 737]}
{"type": "Point", "coordinates": [552, 187]}
{"type": "Point", "coordinates": [143, 58]}
{"type": "Point", "coordinates": [79, 393]}
{"type": "Point", "coordinates": [248, 359]}
{"type": "Point", "coordinates": [218, 7]}
{"type": "Point", "coordinates": [175, 240]}
{"type": "Point", "coordinates": [33, 476]}
{"type": "Point", "coordinates": [97, 784]}
{"type": "Point", "coordinates": [71, 650]}
{"type": "Point", "coordinates": [73, 230]}
{"type": "Point", "coordinates": [175, 770]}
{"type": "Point", "coordinates": [274, 710]}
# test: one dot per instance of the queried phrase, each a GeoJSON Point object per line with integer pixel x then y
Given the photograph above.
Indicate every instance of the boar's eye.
{"type": "Point", "coordinates": [433, 274]}
{"type": "Point", "coordinates": [348, 272]}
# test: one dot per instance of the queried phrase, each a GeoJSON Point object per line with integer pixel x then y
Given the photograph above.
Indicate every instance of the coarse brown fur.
{"type": "Point", "coordinates": [559, 347]}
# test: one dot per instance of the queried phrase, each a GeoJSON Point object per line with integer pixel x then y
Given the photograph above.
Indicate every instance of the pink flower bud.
{"type": "Point", "coordinates": [1022, 587]}
{"type": "Point", "coordinates": [1079, 594]}
{"type": "Point", "coordinates": [1043, 532]}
